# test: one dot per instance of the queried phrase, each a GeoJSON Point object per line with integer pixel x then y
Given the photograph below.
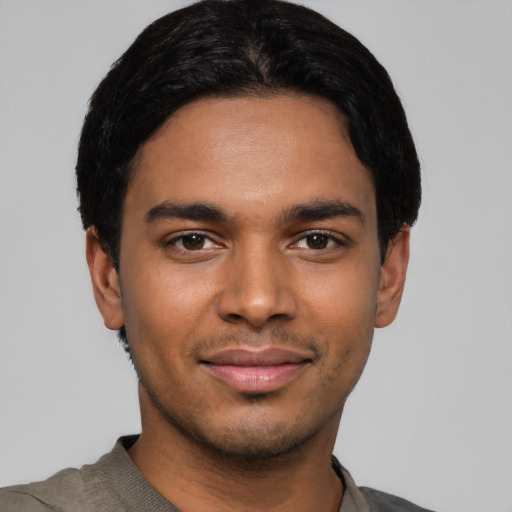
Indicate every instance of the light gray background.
{"type": "Point", "coordinates": [431, 419]}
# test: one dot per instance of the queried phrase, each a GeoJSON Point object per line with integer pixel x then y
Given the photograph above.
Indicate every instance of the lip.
{"type": "Point", "coordinates": [256, 371]}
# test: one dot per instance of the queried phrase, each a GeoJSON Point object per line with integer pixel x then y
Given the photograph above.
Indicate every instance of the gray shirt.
{"type": "Point", "coordinates": [114, 484]}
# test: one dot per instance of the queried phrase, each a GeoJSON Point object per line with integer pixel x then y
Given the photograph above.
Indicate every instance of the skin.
{"type": "Point", "coordinates": [252, 277]}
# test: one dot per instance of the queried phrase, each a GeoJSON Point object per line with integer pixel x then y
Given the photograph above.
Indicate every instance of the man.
{"type": "Point", "coordinates": [247, 181]}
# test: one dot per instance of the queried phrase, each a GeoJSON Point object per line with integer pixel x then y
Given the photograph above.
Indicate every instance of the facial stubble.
{"type": "Point", "coordinates": [247, 441]}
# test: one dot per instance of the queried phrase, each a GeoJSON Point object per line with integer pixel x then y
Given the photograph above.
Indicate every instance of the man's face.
{"type": "Point", "coordinates": [249, 271]}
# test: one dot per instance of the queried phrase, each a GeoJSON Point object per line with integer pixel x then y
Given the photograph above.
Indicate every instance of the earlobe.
{"type": "Point", "coordinates": [392, 278]}
{"type": "Point", "coordinates": [105, 282]}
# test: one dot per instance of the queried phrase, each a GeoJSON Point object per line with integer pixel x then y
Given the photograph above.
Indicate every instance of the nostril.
{"type": "Point", "coordinates": [255, 299]}
{"type": "Point", "coordinates": [235, 317]}
{"type": "Point", "coordinates": [278, 316]}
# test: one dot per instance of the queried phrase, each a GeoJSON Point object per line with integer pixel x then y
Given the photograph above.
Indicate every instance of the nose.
{"type": "Point", "coordinates": [257, 288]}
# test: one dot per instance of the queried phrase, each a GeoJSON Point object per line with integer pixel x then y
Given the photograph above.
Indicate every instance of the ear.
{"type": "Point", "coordinates": [392, 278]}
{"type": "Point", "coordinates": [105, 282]}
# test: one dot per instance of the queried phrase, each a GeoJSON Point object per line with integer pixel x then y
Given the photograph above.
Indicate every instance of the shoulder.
{"type": "Point", "coordinates": [53, 494]}
{"type": "Point", "coordinates": [87, 489]}
{"type": "Point", "coordinates": [364, 499]}
{"type": "Point", "coordinates": [384, 502]}
{"type": "Point", "coordinates": [93, 487]}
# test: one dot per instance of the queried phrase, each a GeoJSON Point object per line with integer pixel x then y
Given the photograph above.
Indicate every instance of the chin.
{"type": "Point", "coordinates": [250, 439]}
{"type": "Point", "coordinates": [256, 433]}
{"type": "Point", "coordinates": [259, 445]}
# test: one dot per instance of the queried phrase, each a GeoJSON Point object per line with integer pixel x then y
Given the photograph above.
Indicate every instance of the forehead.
{"type": "Point", "coordinates": [251, 153]}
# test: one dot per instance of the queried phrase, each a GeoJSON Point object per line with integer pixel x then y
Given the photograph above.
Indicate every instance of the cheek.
{"type": "Point", "coordinates": [343, 300]}
{"type": "Point", "coordinates": [343, 309]}
{"type": "Point", "coordinates": [161, 307]}
{"type": "Point", "coordinates": [161, 290]}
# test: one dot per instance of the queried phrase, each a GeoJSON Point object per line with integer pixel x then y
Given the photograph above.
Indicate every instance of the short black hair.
{"type": "Point", "coordinates": [240, 47]}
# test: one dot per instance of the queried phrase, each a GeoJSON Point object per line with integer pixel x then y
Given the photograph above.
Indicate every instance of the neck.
{"type": "Point", "coordinates": [198, 478]}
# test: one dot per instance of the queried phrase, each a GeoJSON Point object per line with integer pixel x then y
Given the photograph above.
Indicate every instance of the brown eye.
{"type": "Point", "coordinates": [187, 243]}
{"type": "Point", "coordinates": [193, 242]}
{"type": "Point", "coordinates": [317, 241]}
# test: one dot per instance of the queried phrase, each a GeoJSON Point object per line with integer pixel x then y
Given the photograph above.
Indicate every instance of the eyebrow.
{"type": "Point", "coordinates": [314, 210]}
{"type": "Point", "coordinates": [322, 210]}
{"type": "Point", "coordinates": [189, 211]}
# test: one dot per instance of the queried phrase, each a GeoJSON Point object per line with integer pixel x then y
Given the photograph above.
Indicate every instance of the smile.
{"type": "Point", "coordinates": [255, 372]}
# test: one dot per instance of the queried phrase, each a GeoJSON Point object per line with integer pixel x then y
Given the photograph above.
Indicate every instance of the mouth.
{"type": "Point", "coordinates": [256, 371]}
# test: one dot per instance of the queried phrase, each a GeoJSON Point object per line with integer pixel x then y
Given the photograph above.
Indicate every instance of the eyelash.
{"type": "Point", "coordinates": [173, 241]}
{"type": "Point", "coordinates": [331, 239]}
{"type": "Point", "coordinates": [329, 236]}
